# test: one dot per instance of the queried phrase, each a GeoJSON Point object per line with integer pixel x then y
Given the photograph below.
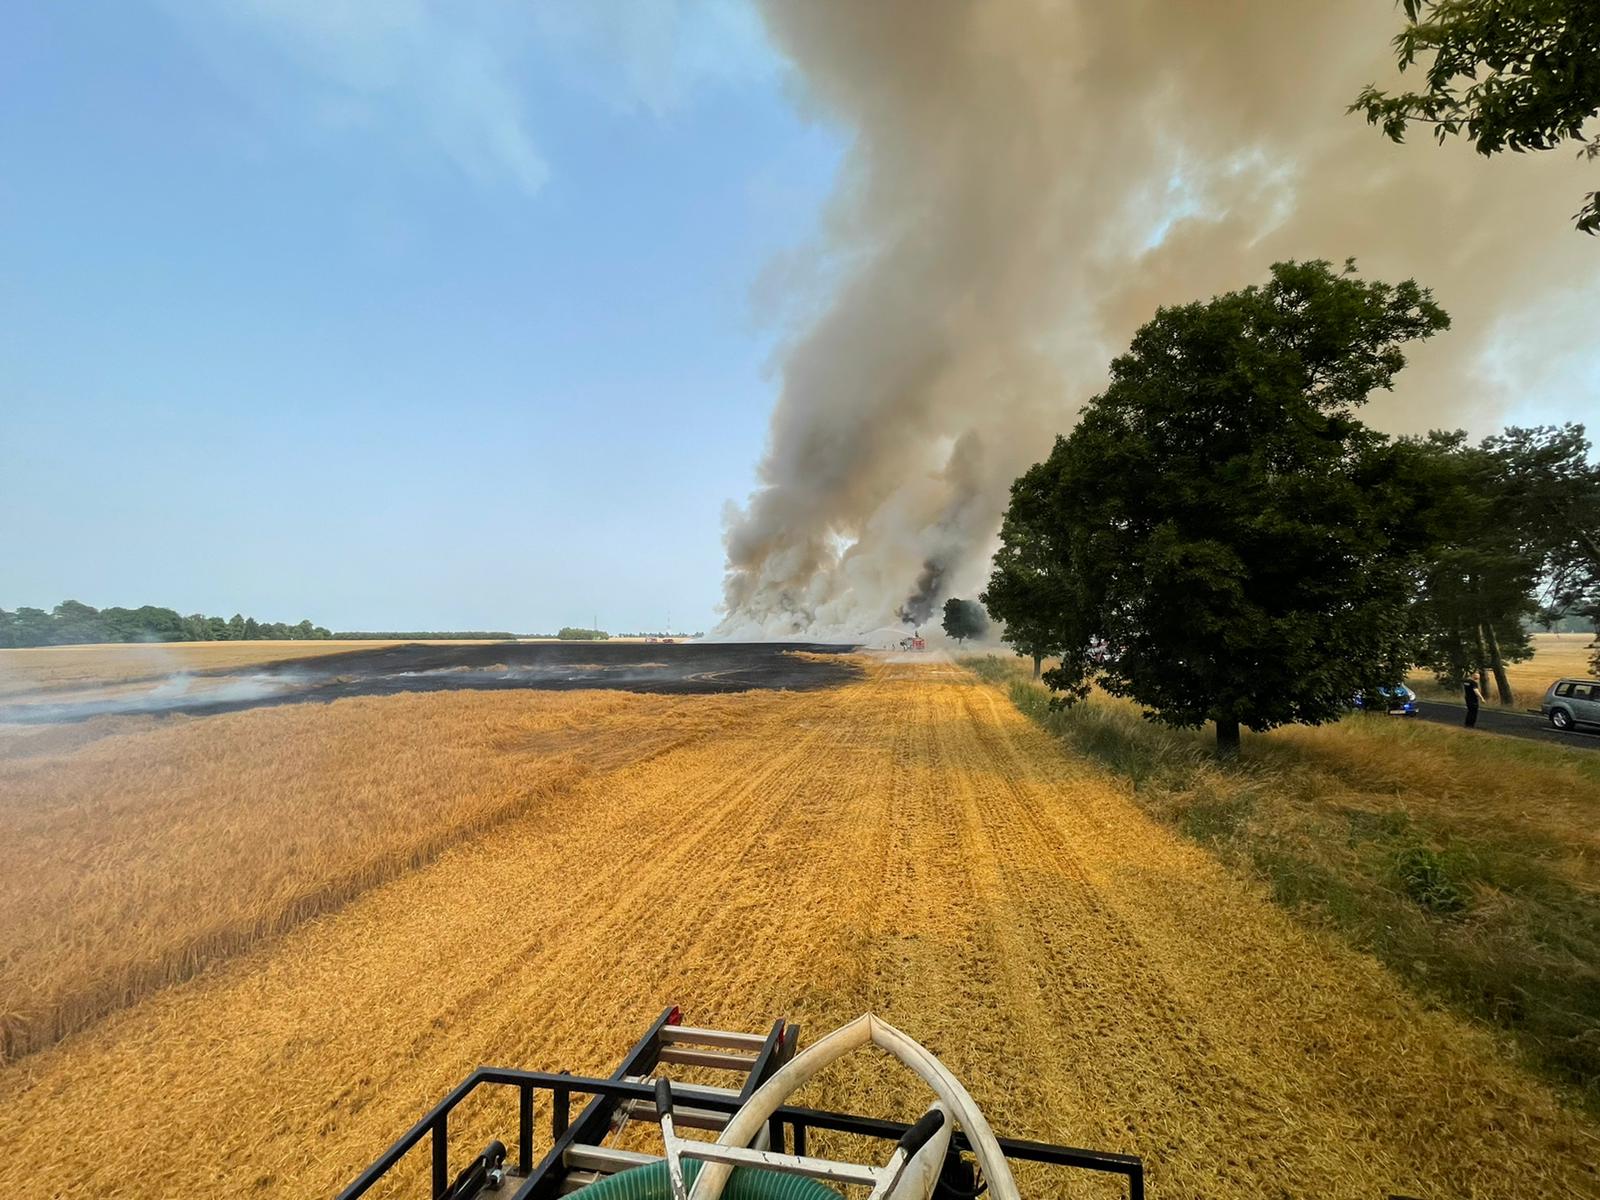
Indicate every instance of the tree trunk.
{"type": "Point", "coordinates": [1038, 660]}
{"type": "Point", "coordinates": [1227, 737]}
{"type": "Point", "coordinates": [1483, 657]}
{"type": "Point", "coordinates": [1502, 684]}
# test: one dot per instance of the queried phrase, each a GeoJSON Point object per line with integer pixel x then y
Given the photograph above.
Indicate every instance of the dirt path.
{"type": "Point", "coordinates": [908, 844]}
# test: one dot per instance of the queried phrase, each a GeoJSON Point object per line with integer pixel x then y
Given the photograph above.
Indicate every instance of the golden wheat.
{"type": "Point", "coordinates": [1554, 655]}
{"type": "Point", "coordinates": [909, 844]}
{"type": "Point", "coordinates": [138, 851]}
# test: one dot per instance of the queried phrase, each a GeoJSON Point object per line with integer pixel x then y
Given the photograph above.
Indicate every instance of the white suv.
{"type": "Point", "coordinates": [1571, 703]}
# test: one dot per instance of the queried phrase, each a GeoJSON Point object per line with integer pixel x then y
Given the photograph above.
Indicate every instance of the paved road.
{"type": "Point", "coordinates": [1508, 722]}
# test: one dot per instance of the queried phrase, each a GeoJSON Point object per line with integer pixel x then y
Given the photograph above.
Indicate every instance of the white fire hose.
{"type": "Point", "coordinates": [911, 1171]}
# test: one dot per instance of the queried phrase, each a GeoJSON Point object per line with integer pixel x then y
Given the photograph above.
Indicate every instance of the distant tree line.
{"type": "Point", "coordinates": [1555, 621]}
{"type": "Point", "coordinates": [1222, 539]}
{"type": "Point", "coordinates": [73, 623]}
{"type": "Point", "coordinates": [571, 633]}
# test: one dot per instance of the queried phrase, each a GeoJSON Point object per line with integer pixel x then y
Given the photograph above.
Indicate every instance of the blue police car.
{"type": "Point", "coordinates": [1397, 701]}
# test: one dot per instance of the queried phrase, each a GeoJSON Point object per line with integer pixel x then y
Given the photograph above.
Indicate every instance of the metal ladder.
{"type": "Point", "coordinates": [739, 1054]}
{"type": "Point", "coordinates": [580, 1156]}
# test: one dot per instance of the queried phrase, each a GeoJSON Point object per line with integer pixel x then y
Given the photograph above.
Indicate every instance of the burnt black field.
{"type": "Point", "coordinates": [679, 668]}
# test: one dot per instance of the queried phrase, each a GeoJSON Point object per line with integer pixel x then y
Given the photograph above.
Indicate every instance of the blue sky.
{"type": "Point", "coordinates": [387, 324]}
{"type": "Point", "coordinates": [395, 314]}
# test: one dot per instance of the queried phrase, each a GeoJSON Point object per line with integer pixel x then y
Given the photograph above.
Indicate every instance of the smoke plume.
{"type": "Point", "coordinates": [1028, 181]}
{"type": "Point", "coordinates": [919, 605]}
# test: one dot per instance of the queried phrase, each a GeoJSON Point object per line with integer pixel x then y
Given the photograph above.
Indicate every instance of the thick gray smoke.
{"type": "Point", "coordinates": [1027, 183]}
{"type": "Point", "coordinates": [919, 605]}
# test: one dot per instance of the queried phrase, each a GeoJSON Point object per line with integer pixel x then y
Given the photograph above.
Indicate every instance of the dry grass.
{"type": "Point", "coordinates": [1469, 864]}
{"type": "Point", "coordinates": [1554, 655]}
{"type": "Point", "coordinates": [140, 851]}
{"type": "Point", "coordinates": [909, 844]}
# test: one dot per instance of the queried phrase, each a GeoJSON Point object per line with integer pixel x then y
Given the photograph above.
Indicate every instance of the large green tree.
{"type": "Point", "coordinates": [1228, 536]}
{"type": "Point", "coordinates": [1508, 74]}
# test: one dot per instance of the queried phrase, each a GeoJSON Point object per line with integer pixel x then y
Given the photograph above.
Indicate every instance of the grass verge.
{"type": "Point", "coordinates": [1468, 864]}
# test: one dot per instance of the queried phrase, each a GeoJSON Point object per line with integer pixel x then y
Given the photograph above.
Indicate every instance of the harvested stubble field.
{"type": "Point", "coordinates": [908, 843]}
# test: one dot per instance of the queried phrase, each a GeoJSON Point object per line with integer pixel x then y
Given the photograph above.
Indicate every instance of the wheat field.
{"type": "Point", "coordinates": [46, 669]}
{"type": "Point", "coordinates": [1554, 655]}
{"type": "Point", "coordinates": [908, 844]}
{"type": "Point", "coordinates": [139, 850]}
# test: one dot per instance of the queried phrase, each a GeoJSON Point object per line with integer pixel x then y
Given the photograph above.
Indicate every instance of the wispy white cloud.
{"type": "Point", "coordinates": [454, 80]}
{"type": "Point", "coordinates": [654, 54]}
{"type": "Point", "coordinates": [397, 69]}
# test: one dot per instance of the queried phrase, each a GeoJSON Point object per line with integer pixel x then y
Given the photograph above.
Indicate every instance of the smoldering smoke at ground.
{"type": "Point", "coordinates": [1027, 182]}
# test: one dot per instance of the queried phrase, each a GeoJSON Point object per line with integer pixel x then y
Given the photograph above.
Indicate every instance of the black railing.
{"type": "Point", "coordinates": [607, 1093]}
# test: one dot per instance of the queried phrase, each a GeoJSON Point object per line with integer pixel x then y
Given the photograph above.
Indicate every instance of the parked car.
{"type": "Point", "coordinates": [1397, 701]}
{"type": "Point", "coordinates": [1573, 704]}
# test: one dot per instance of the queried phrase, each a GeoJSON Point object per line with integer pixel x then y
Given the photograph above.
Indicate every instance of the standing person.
{"type": "Point", "coordinates": [1472, 703]}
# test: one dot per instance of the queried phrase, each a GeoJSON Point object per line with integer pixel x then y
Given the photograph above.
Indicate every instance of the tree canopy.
{"type": "Point", "coordinates": [1219, 525]}
{"type": "Point", "coordinates": [1508, 74]}
{"type": "Point", "coordinates": [964, 619]}
{"type": "Point", "coordinates": [1551, 491]}
{"type": "Point", "coordinates": [1512, 519]}
{"type": "Point", "coordinates": [1476, 577]}
{"type": "Point", "coordinates": [1550, 484]}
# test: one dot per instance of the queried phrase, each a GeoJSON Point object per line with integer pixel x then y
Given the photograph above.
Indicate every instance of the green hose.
{"type": "Point", "coordinates": [746, 1183]}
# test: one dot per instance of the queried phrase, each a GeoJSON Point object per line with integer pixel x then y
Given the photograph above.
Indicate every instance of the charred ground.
{"type": "Point", "coordinates": [671, 669]}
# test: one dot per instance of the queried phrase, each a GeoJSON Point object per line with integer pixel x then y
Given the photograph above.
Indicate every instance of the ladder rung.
{"type": "Point", "coordinates": [723, 1038]}
{"type": "Point", "coordinates": [692, 1057]}
{"type": "Point", "coordinates": [689, 1091]}
{"type": "Point", "coordinates": [605, 1159]}
{"type": "Point", "coordinates": [684, 1115]}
